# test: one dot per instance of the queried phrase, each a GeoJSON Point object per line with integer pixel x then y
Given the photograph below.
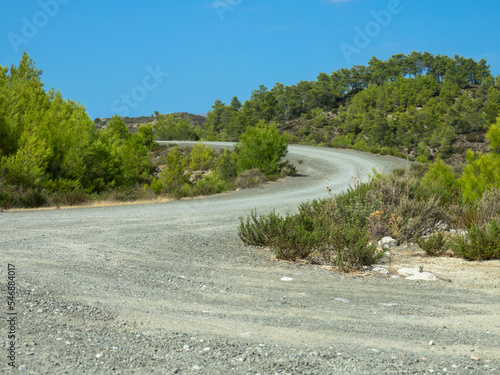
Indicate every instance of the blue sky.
{"type": "Point", "coordinates": [136, 57]}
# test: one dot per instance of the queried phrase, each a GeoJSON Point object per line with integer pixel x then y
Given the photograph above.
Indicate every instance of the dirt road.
{"type": "Point", "coordinates": [169, 288]}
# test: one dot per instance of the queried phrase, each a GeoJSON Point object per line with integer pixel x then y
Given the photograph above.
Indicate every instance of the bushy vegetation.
{"type": "Point", "coordinates": [49, 145]}
{"type": "Point", "coordinates": [414, 104]}
{"type": "Point", "coordinates": [173, 127]}
{"type": "Point", "coordinates": [262, 147]}
{"type": "Point", "coordinates": [257, 158]}
{"type": "Point", "coordinates": [321, 227]}
{"type": "Point", "coordinates": [52, 154]}
{"type": "Point", "coordinates": [417, 205]}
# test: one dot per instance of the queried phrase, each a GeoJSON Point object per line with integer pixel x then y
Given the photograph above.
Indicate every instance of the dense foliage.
{"type": "Point", "coordinates": [421, 205]}
{"type": "Point", "coordinates": [50, 144]}
{"type": "Point", "coordinates": [416, 103]}
{"type": "Point", "coordinates": [52, 154]}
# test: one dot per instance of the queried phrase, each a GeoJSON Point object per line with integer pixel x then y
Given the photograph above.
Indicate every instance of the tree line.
{"type": "Point", "coordinates": [417, 102]}
{"type": "Point", "coordinates": [51, 153]}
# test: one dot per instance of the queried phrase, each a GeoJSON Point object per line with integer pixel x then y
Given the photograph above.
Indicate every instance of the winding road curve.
{"type": "Point", "coordinates": [169, 288]}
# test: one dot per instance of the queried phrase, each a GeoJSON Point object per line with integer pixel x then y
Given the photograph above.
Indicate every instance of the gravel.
{"type": "Point", "coordinates": [168, 288]}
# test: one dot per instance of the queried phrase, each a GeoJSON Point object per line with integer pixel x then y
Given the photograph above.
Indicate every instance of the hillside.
{"type": "Point", "coordinates": [420, 105]}
{"type": "Point", "coordinates": [133, 123]}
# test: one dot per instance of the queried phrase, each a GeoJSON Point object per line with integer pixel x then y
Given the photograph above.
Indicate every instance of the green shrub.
{"type": "Point", "coordinates": [315, 227]}
{"type": "Point", "coordinates": [200, 157]}
{"type": "Point", "coordinates": [212, 183]}
{"type": "Point", "coordinates": [258, 231]}
{"type": "Point", "coordinates": [481, 174]}
{"type": "Point", "coordinates": [475, 137]}
{"type": "Point", "coordinates": [434, 245]}
{"type": "Point", "coordinates": [173, 127]}
{"type": "Point", "coordinates": [261, 147]}
{"type": "Point", "coordinates": [440, 181]}
{"type": "Point", "coordinates": [74, 197]}
{"type": "Point", "coordinates": [482, 242]}
{"type": "Point", "coordinates": [250, 178]}
{"type": "Point", "coordinates": [419, 217]}
{"type": "Point", "coordinates": [288, 170]}
{"type": "Point", "coordinates": [293, 239]}
{"type": "Point", "coordinates": [173, 176]}
{"type": "Point", "coordinates": [32, 198]}
{"type": "Point", "coordinates": [418, 170]}
{"type": "Point", "coordinates": [226, 165]}
{"type": "Point", "coordinates": [7, 196]}
{"type": "Point", "coordinates": [352, 247]}
{"type": "Point", "coordinates": [488, 206]}
{"type": "Point", "coordinates": [157, 186]}
{"type": "Point", "coordinates": [177, 191]}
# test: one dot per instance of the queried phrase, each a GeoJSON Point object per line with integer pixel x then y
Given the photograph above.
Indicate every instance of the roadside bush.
{"type": "Point", "coordinates": [440, 181]}
{"type": "Point", "coordinates": [173, 176]}
{"type": "Point", "coordinates": [157, 186]}
{"type": "Point", "coordinates": [352, 247]}
{"type": "Point", "coordinates": [434, 245]}
{"type": "Point", "coordinates": [258, 231]}
{"type": "Point", "coordinates": [250, 178]}
{"type": "Point", "coordinates": [7, 196]}
{"type": "Point", "coordinates": [173, 127]}
{"type": "Point", "coordinates": [73, 197]}
{"type": "Point", "coordinates": [482, 242]}
{"type": "Point", "coordinates": [227, 165]}
{"type": "Point", "coordinates": [261, 147]}
{"type": "Point", "coordinates": [212, 183]}
{"type": "Point", "coordinates": [378, 225]}
{"type": "Point", "coordinates": [200, 157]}
{"type": "Point", "coordinates": [316, 227]}
{"type": "Point", "coordinates": [32, 198]}
{"type": "Point", "coordinates": [355, 205]}
{"type": "Point", "coordinates": [293, 239]}
{"type": "Point", "coordinates": [489, 205]}
{"type": "Point", "coordinates": [123, 194]}
{"type": "Point", "coordinates": [419, 217]}
{"type": "Point", "coordinates": [482, 173]}
{"type": "Point", "coordinates": [178, 191]}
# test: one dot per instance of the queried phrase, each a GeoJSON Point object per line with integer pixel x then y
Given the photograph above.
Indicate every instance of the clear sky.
{"type": "Point", "coordinates": [135, 57]}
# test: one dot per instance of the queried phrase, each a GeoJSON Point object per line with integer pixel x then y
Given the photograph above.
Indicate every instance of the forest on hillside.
{"type": "Point", "coordinates": [419, 102]}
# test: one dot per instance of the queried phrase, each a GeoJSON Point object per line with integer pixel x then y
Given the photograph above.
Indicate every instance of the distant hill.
{"type": "Point", "coordinates": [133, 123]}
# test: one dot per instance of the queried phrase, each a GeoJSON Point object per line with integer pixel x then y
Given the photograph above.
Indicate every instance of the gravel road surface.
{"type": "Point", "coordinates": [168, 288]}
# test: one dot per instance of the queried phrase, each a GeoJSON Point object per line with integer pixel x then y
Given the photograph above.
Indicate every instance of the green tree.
{"type": "Point", "coordinates": [261, 147]}
{"type": "Point", "coordinates": [174, 128]}
{"type": "Point", "coordinates": [200, 157]}
{"type": "Point", "coordinates": [173, 175]}
{"type": "Point", "coordinates": [117, 125]}
{"type": "Point", "coordinates": [482, 172]}
{"type": "Point", "coordinates": [147, 135]}
{"type": "Point", "coordinates": [493, 136]}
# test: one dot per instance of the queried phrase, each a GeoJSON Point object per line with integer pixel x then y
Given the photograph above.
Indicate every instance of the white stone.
{"type": "Point", "coordinates": [286, 278]}
{"type": "Point", "coordinates": [381, 270]}
{"type": "Point", "coordinates": [458, 232]}
{"type": "Point", "coordinates": [423, 276]}
{"type": "Point", "coordinates": [415, 274]}
{"type": "Point", "coordinates": [387, 243]}
{"type": "Point", "coordinates": [408, 271]}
